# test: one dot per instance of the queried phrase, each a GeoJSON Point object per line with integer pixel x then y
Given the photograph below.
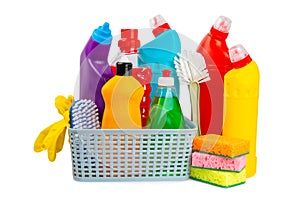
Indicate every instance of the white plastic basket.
{"type": "Point", "coordinates": [132, 155]}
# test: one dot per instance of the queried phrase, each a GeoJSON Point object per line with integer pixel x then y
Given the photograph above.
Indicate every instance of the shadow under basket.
{"type": "Point", "coordinates": [132, 154]}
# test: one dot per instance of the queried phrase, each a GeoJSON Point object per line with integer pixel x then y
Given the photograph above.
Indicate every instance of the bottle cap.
{"type": "Point", "coordinates": [223, 24]}
{"type": "Point", "coordinates": [129, 41]}
{"type": "Point", "coordinates": [124, 69]}
{"type": "Point", "coordinates": [239, 56]}
{"type": "Point", "coordinates": [159, 25]}
{"type": "Point", "coordinates": [102, 34]}
{"type": "Point", "coordinates": [166, 80]}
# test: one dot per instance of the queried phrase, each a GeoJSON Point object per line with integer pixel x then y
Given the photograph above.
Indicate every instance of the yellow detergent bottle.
{"type": "Point", "coordinates": [122, 95]}
{"type": "Point", "coordinates": [241, 91]}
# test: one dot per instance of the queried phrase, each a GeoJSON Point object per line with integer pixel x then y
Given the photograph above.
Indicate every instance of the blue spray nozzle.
{"type": "Point", "coordinates": [102, 34]}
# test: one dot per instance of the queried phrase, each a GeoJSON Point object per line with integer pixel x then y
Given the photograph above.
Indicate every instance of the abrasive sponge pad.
{"type": "Point", "coordinates": [221, 145]}
{"type": "Point", "coordinates": [217, 177]}
{"type": "Point", "coordinates": [205, 160]}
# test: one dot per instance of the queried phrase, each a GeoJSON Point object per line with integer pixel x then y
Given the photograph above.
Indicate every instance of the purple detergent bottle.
{"type": "Point", "coordinates": [94, 68]}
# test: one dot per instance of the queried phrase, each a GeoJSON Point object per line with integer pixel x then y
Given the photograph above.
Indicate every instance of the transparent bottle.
{"type": "Point", "coordinates": [165, 112]}
{"type": "Point", "coordinates": [129, 44]}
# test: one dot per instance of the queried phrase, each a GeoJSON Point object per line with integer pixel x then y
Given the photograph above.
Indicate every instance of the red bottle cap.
{"type": "Point", "coordinates": [239, 56]}
{"type": "Point", "coordinates": [166, 72]}
{"type": "Point", "coordinates": [129, 41]}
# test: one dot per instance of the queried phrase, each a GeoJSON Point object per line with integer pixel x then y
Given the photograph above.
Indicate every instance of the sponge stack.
{"type": "Point", "coordinates": [219, 160]}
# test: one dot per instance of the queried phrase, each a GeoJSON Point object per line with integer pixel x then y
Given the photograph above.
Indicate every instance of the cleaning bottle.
{"type": "Point", "coordinates": [165, 112]}
{"type": "Point", "coordinates": [215, 51]}
{"type": "Point", "coordinates": [241, 102]}
{"type": "Point", "coordinates": [129, 44]}
{"type": "Point", "coordinates": [94, 67]}
{"type": "Point", "coordinates": [160, 52]}
{"type": "Point", "coordinates": [122, 95]}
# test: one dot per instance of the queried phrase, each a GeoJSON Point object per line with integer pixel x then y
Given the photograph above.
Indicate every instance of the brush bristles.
{"type": "Point", "coordinates": [190, 67]}
{"type": "Point", "coordinates": [181, 70]}
{"type": "Point", "coordinates": [84, 115]}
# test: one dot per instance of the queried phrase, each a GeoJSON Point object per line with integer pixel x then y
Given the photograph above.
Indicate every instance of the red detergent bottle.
{"type": "Point", "coordinates": [215, 51]}
{"type": "Point", "coordinates": [129, 44]}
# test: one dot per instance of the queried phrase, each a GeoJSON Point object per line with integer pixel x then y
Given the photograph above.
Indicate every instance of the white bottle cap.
{"type": "Point", "coordinates": [239, 56]}
{"type": "Point", "coordinates": [223, 24]}
{"type": "Point", "coordinates": [157, 21]}
{"type": "Point", "coordinates": [166, 80]}
{"type": "Point", "coordinates": [237, 53]}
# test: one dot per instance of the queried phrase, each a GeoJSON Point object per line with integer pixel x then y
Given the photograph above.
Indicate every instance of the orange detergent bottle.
{"type": "Point", "coordinates": [129, 44]}
{"type": "Point", "coordinates": [122, 95]}
{"type": "Point", "coordinates": [241, 91]}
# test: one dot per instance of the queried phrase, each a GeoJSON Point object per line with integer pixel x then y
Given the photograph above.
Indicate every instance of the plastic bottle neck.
{"type": "Point", "coordinates": [124, 69]}
{"type": "Point", "coordinates": [242, 63]}
{"type": "Point", "coordinates": [218, 34]}
{"type": "Point", "coordinates": [129, 51]}
{"type": "Point", "coordinates": [166, 91]}
{"type": "Point", "coordinates": [160, 29]}
{"type": "Point", "coordinates": [97, 51]}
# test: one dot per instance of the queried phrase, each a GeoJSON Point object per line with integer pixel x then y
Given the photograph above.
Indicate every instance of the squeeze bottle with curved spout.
{"type": "Point", "coordinates": [94, 67]}
{"type": "Point", "coordinates": [214, 49]}
{"type": "Point", "coordinates": [241, 102]}
{"type": "Point", "coordinates": [160, 52]}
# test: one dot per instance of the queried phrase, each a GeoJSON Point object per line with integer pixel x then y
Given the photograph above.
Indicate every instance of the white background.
{"type": "Point", "coordinates": [40, 44]}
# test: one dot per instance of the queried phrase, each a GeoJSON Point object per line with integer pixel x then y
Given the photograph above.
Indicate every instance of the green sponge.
{"type": "Point", "coordinates": [217, 177]}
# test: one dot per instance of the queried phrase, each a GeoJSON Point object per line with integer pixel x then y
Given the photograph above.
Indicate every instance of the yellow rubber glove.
{"type": "Point", "coordinates": [52, 138]}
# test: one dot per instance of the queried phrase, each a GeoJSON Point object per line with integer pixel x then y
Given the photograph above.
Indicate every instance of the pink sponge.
{"type": "Point", "coordinates": [205, 160]}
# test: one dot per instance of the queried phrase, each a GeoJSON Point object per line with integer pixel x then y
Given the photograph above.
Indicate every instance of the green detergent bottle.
{"type": "Point", "coordinates": [165, 112]}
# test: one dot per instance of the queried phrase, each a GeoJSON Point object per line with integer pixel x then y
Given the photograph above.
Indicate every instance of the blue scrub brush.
{"type": "Point", "coordinates": [191, 70]}
{"type": "Point", "coordinates": [84, 115]}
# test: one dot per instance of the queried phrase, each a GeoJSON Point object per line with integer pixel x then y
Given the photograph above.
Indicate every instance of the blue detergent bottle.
{"type": "Point", "coordinates": [160, 52]}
